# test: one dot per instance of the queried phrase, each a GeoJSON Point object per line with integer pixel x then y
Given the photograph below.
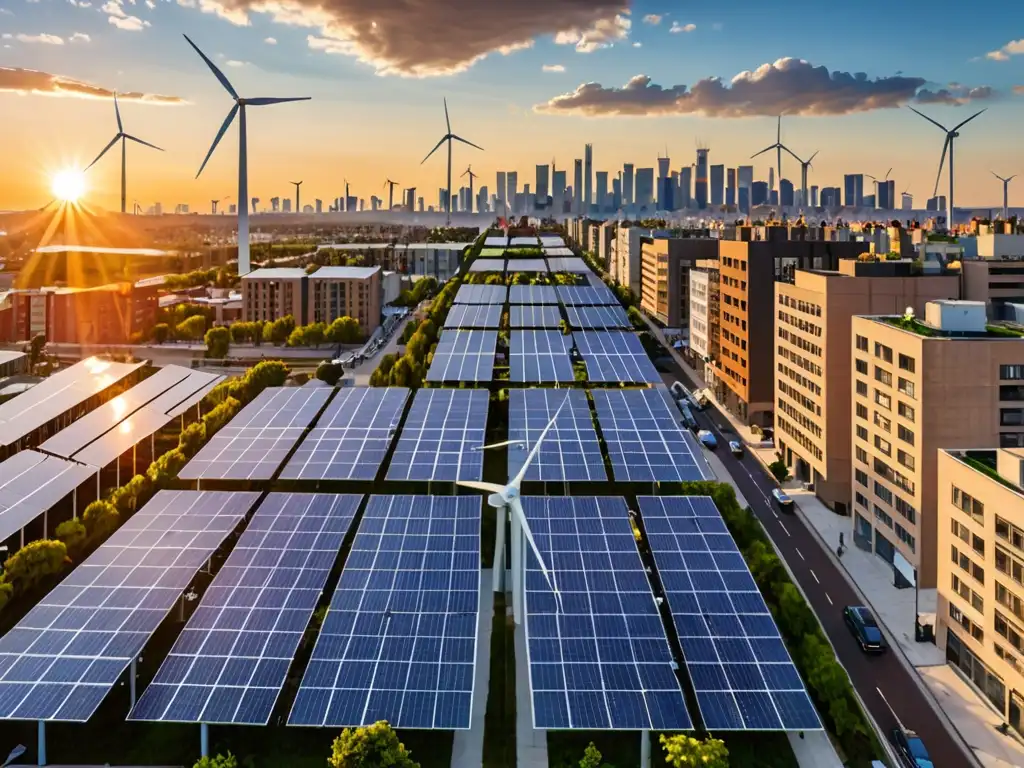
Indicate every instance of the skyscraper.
{"type": "Point", "coordinates": [663, 164]}
{"type": "Point", "coordinates": [717, 184]}
{"type": "Point", "coordinates": [577, 186]}
{"type": "Point", "coordinates": [542, 185]}
{"type": "Point", "coordinates": [500, 187]}
{"type": "Point", "coordinates": [700, 190]}
{"type": "Point", "coordinates": [602, 190]}
{"type": "Point", "coordinates": [512, 180]}
{"type": "Point", "coordinates": [627, 184]}
{"type": "Point", "coordinates": [814, 196]}
{"type": "Point", "coordinates": [616, 193]}
{"type": "Point", "coordinates": [786, 193]}
{"type": "Point", "coordinates": [558, 190]}
{"type": "Point", "coordinates": [730, 186]}
{"type": "Point", "coordinates": [666, 188]}
{"type": "Point", "coordinates": [854, 184]}
{"type": "Point", "coordinates": [588, 177]}
{"type": "Point", "coordinates": [685, 186]}
{"type": "Point", "coordinates": [758, 193]}
{"type": "Point", "coordinates": [674, 183]}
{"type": "Point", "coordinates": [644, 188]}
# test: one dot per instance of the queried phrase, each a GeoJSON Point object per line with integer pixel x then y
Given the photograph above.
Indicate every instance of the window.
{"type": "Point", "coordinates": [862, 389]}
{"type": "Point", "coordinates": [883, 376]}
{"type": "Point", "coordinates": [883, 352]}
{"type": "Point", "coordinates": [862, 477]}
{"type": "Point", "coordinates": [967, 503]}
{"type": "Point", "coordinates": [905, 434]}
{"type": "Point", "coordinates": [961, 532]}
{"type": "Point", "coordinates": [906, 387]}
{"type": "Point", "coordinates": [862, 432]}
{"type": "Point", "coordinates": [1011, 372]}
{"type": "Point", "coordinates": [861, 499]}
{"type": "Point", "coordinates": [977, 544]}
{"type": "Point", "coordinates": [883, 445]}
{"type": "Point", "coordinates": [883, 400]}
{"type": "Point", "coordinates": [906, 411]}
{"type": "Point", "coordinates": [883, 422]}
{"type": "Point", "coordinates": [880, 515]}
{"type": "Point", "coordinates": [905, 459]}
{"type": "Point", "coordinates": [862, 367]}
{"type": "Point", "coordinates": [903, 535]}
{"type": "Point", "coordinates": [862, 411]}
{"type": "Point", "coordinates": [905, 509]}
{"type": "Point", "coordinates": [883, 493]}
{"type": "Point", "coordinates": [862, 455]}
{"type": "Point", "coordinates": [862, 343]}
{"type": "Point", "coordinates": [906, 363]}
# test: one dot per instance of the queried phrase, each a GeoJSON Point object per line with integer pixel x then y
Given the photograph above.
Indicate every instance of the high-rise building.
{"type": "Point", "coordinates": [717, 185]}
{"type": "Point", "coordinates": [500, 189]}
{"type": "Point", "coordinates": [275, 204]}
{"type": "Point", "coordinates": [674, 186]}
{"type": "Point", "coordinates": [663, 165]}
{"type": "Point", "coordinates": [907, 202]}
{"type": "Point", "coordinates": [936, 203]}
{"type": "Point", "coordinates": [665, 264]}
{"type": "Point", "coordinates": [786, 196]}
{"type": "Point", "coordinates": [854, 190]}
{"type": "Point", "coordinates": [887, 195]}
{"type": "Point", "coordinates": [542, 185]}
{"type": "Point", "coordinates": [601, 202]}
{"type": "Point", "coordinates": [616, 194]}
{"type": "Point", "coordinates": [286, 205]}
{"type": "Point", "coordinates": [730, 186]}
{"type": "Point", "coordinates": [830, 197]}
{"type": "Point", "coordinates": [558, 190]}
{"type": "Point", "coordinates": [644, 188]}
{"type": "Point", "coordinates": [700, 191]}
{"type": "Point", "coordinates": [627, 184]}
{"type": "Point", "coordinates": [814, 196]}
{"type": "Point", "coordinates": [419, 203]}
{"type": "Point", "coordinates": [577, 186]}
{"type": "Point", "coordinates": [588, 177]}
{"type": "Point", "coordinates": [759, 193]}
{"type": "Point", "coordinates": [410, 199]}
{"type": "Point", "coordinates": [685, 186]}
{"type": "Point", "coordinates": [319, 205]}
{"type": "Point", "coordinates": [666, 190]}
{"type": "Point", "coordinates": [512, 179]}
{"type": "Point", "coordinates": [745, 180]}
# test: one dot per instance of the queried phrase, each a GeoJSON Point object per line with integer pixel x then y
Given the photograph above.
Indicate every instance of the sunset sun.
{"type": "Point", "coordinates": [68, 185]}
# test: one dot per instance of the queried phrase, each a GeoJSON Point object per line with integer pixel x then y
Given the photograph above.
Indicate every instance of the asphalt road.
{"type": "Point", "coordinates": [828, 593]}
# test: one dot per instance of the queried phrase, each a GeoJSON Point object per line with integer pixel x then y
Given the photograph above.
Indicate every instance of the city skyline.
{"type": "Point", "coordinates": [521, 113]}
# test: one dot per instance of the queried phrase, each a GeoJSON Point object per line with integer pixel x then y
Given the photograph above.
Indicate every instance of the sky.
{"type": "Point", "coordinates": [530, 81]}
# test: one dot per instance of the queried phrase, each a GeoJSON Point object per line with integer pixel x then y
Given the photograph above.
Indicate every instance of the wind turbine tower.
{"type": "Point", "coordinates": [243, 158]}
{"type": "Point", "coordinates": [391, 192]}
{"type": "Point", "coordinates": [213, 207]}
{"type": "Point", "coordinates": [876, 182]}
{"type": "Point", "coordinates": [947, 145]}
{"type": "Point", "coordinates": [297, 184]}
{"type": "Point", "coordinates": [1006, 193]}
{"type": "Point", "coordinates": [449, 137]}
{"type": "Point", "coordinates": [778, 146]}
{"type": "Point", "coordinates": [122, 137]}
{"type": "Point", "coordinates": [469, 172]}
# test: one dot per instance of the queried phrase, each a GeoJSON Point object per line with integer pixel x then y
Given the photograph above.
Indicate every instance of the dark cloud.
{"type": "Point", "coordinates": [789, 86]}
{"type": "Point", "coordinates": [426, 37]}
{"type": "Point", "coordinates": [30, 81]}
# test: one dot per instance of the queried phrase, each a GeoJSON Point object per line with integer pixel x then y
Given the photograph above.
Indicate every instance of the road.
{"type": "Point", "coordinates": [828, 592]}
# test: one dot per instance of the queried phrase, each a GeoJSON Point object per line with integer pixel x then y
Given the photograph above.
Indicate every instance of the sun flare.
{"type": "Point", "coordinates": [68, 185]}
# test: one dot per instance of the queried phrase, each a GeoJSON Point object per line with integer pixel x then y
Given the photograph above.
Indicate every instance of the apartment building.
{"type": "Point", "coordinates": [813, 316]}
{"type": "Point", "coordinates": [705, 344]}
{"type": "Point", "coordinates": [665, 263]}
{"type": "Point", "coordinates": [997, 282]}
{"type": "Point", "coordinates": [268, 294]}
{"type": "Point", "coordinates": [625, 259]}
{"type": "Point", "coordinates": [949, 381]}
{"type": "Point", "coordinates": [980, 610]}
{"type": "Point", "coordinates": [107, 314]}
{"type": "Point", "coordinates": [355, 292]}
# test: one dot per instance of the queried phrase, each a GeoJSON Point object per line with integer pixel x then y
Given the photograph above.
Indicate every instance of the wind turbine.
{"type": "Point", "coordinates": [876, 182]}
{"type": "Point", "coordinates": [243, 159]}
{"type": "Point", "coordinates": [391, 192]}
{"type": "Point", "coordinates": [778, 146]}
{"type": "Point", "coordinates": [947, 145]}
{"type": "Point", "coordinates": [296, 184]}
{"type": "Point", "coordinates": [469, 172]}
{"type": "Point", "coordinates": [123, 137]}
{"type": "Point", "coordinates": [804, 165]}
{"type": "Point", "coordinates": [213, 207]}
{"type": "Point", "coordinates": [507, 498]}
{"type": "Point", "coordinates": [1006, 192]}
{"type": "Point", "coordinates": [449, 137]}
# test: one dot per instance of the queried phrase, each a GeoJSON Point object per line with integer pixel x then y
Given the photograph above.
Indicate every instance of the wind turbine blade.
{"type": "Point", "coordinates": [442, 141]}
{"type": "Point", "coordinates": [766, 149]}
{"type": "Point", "coordinates": [220, 135]}
{"type": "Point", "coordinates": [933, 122]}
{"type": "Point", "coordinates": [498, 445]}
{"type": "Point", "coordinates": [140, 141]}
{"type": "Point", "coordinates": [965, 122]}
{"type": "Point", "coordinates": [778, 132]}
{"type": "Point", "coordinates": [517, 509]}
{"type": "Point", "coordinates": [1009, 178]}
{"type": "Point", "coordinates": [792, 154]}
{"type": "Point", "coordinates": [488, 487]}
{"type": "Point", "coordinates": [113, 141]}
{"type": "Point", "coordinates": [813, 156]}
{"type": "Point", "coordinates": [264, 101]}
{"type": "Point", "coordinates": [213, 68]}
{"type": "Point", "coordinates": [997, 175]}
{"type": "Point", "coordinates": [459, 138]}
{"type": "Point", "coordinates": [536, 448]}
{"type": "Point", "coordinates": [942, 161]}
{"type": "Point", "coordinates": [887, 175]}
{"type": "Point", "coordinates": [447, 122]}
{"type": "Point", "coordinates": [117, 113]}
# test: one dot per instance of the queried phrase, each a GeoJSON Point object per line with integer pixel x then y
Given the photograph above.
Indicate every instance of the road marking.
{"type": "Point", "coordinates": [829, 599]}
{"type": "Point", "coordinates": [815, 576]}
{"type": "Point", "coordinates": [800, 553]}
{"type": "Point", "coordinates": [776, 514]}
{"type": "Point", "coordinates": [784, 528]}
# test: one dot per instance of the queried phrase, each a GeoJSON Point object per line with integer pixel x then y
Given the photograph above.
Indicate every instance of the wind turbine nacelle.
{"type": "Point", "coordinates": [496, 500]}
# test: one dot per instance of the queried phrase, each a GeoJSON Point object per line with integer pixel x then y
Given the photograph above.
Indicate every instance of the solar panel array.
{"type": "Point", "coordinates": [540, 356]}
{"type": "Point", "coordinates": [492, 252]}
{"type": "Point", "coordinates": [186, 393]}
{"type": "Point", "coordinates": [532, 294]}
{"type": "Point", "coordinates": [598, 654]}
{"type": "Point", "coordinates": [351, 439]}
{"type": "Point", "coordinates": [31, 483]}
{"type": "Point", "coordinates": [474, 316]}
{"type": "Point", "coordinates": [463, 356]}
{"type": "Point", "coordinates": [495, 241]}
{"type": "Point", "coordinates": [481, 294]}
{"type": "Point", "coordinates": [229, 663]}
{"type": "Point", "coordinates": [255, 443]}
{"type": "Point", "coordinates": [598, 318]}
{"type": "Point", "coordinates": [60, 661]}
{"type": "Point", "coordinates": [526, 265]}
{"type": "Point", "coordinates": [586, 295]}
{"type": "Point", "coordinates": [567, 263]}
{"type": "Point", "coordinates": [615, 356]}
{"type": "Point", "coordinates": [557, 250]}
{"type": "Point", "coordinates": [399, 639]}
{"type": "Point", "coordinates": [523, 242]}
{"type": "Point", "coordinates": [487, 265]}
{"type": "Point", "coordinates": [741, 671]}
{"type": "Point", "coordinates": [441, 437]}
{"type": "Point", "coordinates": [534, 316]}
{"type": "Point", "coordinates": [645, 441]}
{"type": "Point", "coordinates": [551, 241]}
{"type": "Point", "coordinates": [570, 452]}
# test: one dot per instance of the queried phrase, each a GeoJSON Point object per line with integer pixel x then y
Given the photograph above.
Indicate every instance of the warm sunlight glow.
{"type": "Point", "coordinates": [69, 185]}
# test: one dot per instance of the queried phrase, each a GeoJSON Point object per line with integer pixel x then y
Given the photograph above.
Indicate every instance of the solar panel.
{"type": "Point", "coordinates": [535, 316]}
{"type": "Point", "coordinates": [255, 443]}
{"type": "Point", "coordinates": [598, 656]}
{"type": "Point", "coordinates": [523, 242]}
{"type": "Point", "coordinates": [526, 265]}
{"type": "Point", "coordinates": [399, 639]}
{"type": "Point", "coordinates": [144, 422]}
{"type": "Point", "coordinates": [495, 252]}
{"type": "Point", "coordinates": [230, 662]}
{"type": "Point", "coordinates": [540, 356]}
{"type": "Point", "coordinates": [615, 356]}
{"type": "Point", "coordinates": [481, 294]}
{"type": "Point", "coordinates": [186, 393]}
{"type": "Point", "coordinates": [442, 436]}
{"type": "Point", "coordinates": [570, 451]}
{"type": "Point", "coordinates": [551, 241]}
{"type": "Point", "coordinates": [586, 295]}
{"type": "Point", "coordinates": [532, 294]}
{"type": "Point", "coordinates": [598, 318]}
{"type": "Point", "coordinates": [567, 263]}
{"type": "Point", "coordinates": [741, 671]}
{"type": "Point", "coordinates": [487, 265]}
{"type": "Point", "coordinates": [495, 241]}
{"type": "Point", "coordinates": [558, 249]}
{"type": "Point", "coordinates": [352, 437]}
{"type": "Point", "coordinates": [60, 661]}
{"type": "Point", "coordinates": [645, 440]}
{"type": "Point", "coordinates": [474, 316]}
{"type": "Point", "coordinates": [31, 483]}
{"type": "Point", "coordinates": [463, 356]}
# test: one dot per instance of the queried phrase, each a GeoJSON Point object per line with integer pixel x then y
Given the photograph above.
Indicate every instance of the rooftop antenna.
{"type": "Point", "coordinates": [449, 137]}
{"type": "Point", "coordinates": [1006, 196]}
{"type": "Point", "coordinates": [122, 137]}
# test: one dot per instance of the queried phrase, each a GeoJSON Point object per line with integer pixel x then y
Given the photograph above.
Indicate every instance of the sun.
{"type": "Point", "coordinates": [68, 185]}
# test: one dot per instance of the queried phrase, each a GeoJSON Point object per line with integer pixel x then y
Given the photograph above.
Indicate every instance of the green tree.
{"type": "Point", "coordinates": [34, 562]}
{"type": "Point", "coordinates": [682, 751]}
{"type": "Point", "coordinates": [101, 519]}
{"type": "Point", "coordinates": [402, 372]}
{"type": "Point", "coordinates": [191, 329]}
{"type": "Point", "coordinates": [297, 338]}
{"type": "Point", "coordinates": [6, 593]}
{"type": "Point", "coordinates": [241, 332]}
{"type": "Point", "coordinates": [218, 342]}
{"type": "Point", "coordinates": [315, 334]}
{"type": "Point", "coordinates": [779, 470]}
{"type": "Point", "coordinates": [330, 372]}
{"type": "Point", "coordinates": [591, 757]}
{"type": "Point", "coordinates": [372, 746]}
{"type": "Point", "coordinates": [72, 533]}
{"type": "Point", "coordinates": [193, 437]}
{"type": "Point", "coordinates": [344, 330]}
{"type": "Point", "coordinates": [217, 761]}
{"type": "Point", "coordinates": [278, 331]}
{"type": "Point", "coordinates": [161, 332]}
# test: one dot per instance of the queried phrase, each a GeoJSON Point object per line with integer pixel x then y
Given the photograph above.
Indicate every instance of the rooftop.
{"type": "Point", "coordinates": [987, 463]}
{"type": "Point", "coordinates": [913, 325]}
{"type": "Point", "coordinates": [276, 273]}
{"type": "Point", "coordinates": [344, 273]}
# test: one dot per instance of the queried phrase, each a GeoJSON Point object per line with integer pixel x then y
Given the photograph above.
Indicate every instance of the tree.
{"type": "Point", "coordinates": [218, 761]}
{"type": "Point", "coordinates": [240, 332]}
{"type": "Point", "coordinates": [101, 519]}
{"type": "Point", "coordinates": [278, 331]}
{"type": "Point", "coordinates": [315, 334]}
{"type": "Point", "coordinates": [682, 751]}
{"type": "Point", "coordinates": [344, 330]}
{"type": "Point", "coordinates": [35, 350]}
{"type": "Point", "coordinates": [192, 328]}
{"type": "Point", "coordinates": [401, 374]}
{"type": "Point", "coordinates": [779, 470]}
{"type": "Point", "coordinates": [33, 563]}
{"type": "Point", "coordinates": [591, 757]}
{"type": "Point", "coordinates": [193, 437]}
{"type": "Point", "coordinates": [297, 338]}
{"type": "Point", "coordinates": [218, 342]}
{"type": "Point", "coordinates": [72, 533]}
{"type": "Point", "coordinates": [161, 332]}
{"type": "Point", "coordinates": [372, 746]}
{"type": "Point", "coordinates": [329, 372]}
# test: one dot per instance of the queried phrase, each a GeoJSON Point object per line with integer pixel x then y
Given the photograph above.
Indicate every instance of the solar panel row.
{"type": "Point", "coordinates": [586, 295]}
{"type": "Point", "coordinates": [481, 294]}
{"type": "Point", "coordinates": [615, 356]}
{"type": "Point", "coordinates": [442, 433]}
{"type": "Point", "coordinates": [597, 318]}
{"type": "Point", "coordinates": [463, 356]}
{"type": "Point", "coordinates": [487, 265]}
{"type": "Point", "coordinates": [570, 451]}
{"type": "Point", "coordinates": [567, 263]}
{"type": "Point", "coordinates": [534, 316]}
{"type": "Point", "coordinates": [526, 265]}
{"type": "Point", "coordinates": [31, 483]}
{"type": "Point", "coordinates": [532, 294]}
{"type": "Point", "coordinates": [540, 356]}
{"type": "Point", "coordinates": [474, 316]}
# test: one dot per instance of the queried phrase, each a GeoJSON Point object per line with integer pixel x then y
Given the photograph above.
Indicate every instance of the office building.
{"type": "Point", "coordinates": [786, 197]}
{"type": "Point", "coordinates": [500, 190]}
{"type": "Point", "coordinates": [814, 196]}
{"type": "Point", "coordinates": [813, 317]}
{"type": "Point", "coordinates": [627, 184]}
{"type": "Point", "coordinates": [336, 292]}
{"type": "Point", "coordinates": [663, 166]}
{"type": "Point", "coordinates": [286, 205]}
{"type": "Point", "coordinates": [275, 204]}
{"type": "Point", "coordinates": [268, 294]}
{"type": "Point", "coordinates": [907, 202]}
{"type": "Point", "coordinates": [588, 177]}
{"type": "Point", "coordinates": [512, 179]}
{"type": "Point", "coordinates": [700, 192]}
{"type": "Point", "coordinates": [602, 191]}
{"type": "Point", "coordinates": [664, 275]}
{"type": "Point", "coordinates": [745, 180]}
{"type": "Point", "coordinates": [830, 197]}
{"type": "Point", "coordinates": [666, 188]}
{"type": "Point", "coordinates": [936, 203]}
{"type": "Point", "coordinates": [730, 187]}
{"type": "Point", "coordinates": [886, 195]}
{"type": "Point", "coordinates": [542, 185]}
{"type": "Point", "coordinates": [922, 385]}
{"type": "Point", "coordinates": [717, 185]}
{"type": "Point", "coordinates": [624, 264]}
{"type": "Point", "coordinates": [645, 188]}
{"type": "Point", "coordinates": [854, 185]}
{"type": "Point", "coordinates": [759, 193]}
{"type": "Point", "coordinates": [685, 187]}
{"type": "Point", "coordinates": [704, 313]}
{"type": "Point", "coordinates": [558, 191]}
{"type": "Point", "coordinates": [577, 186]}
{"type": "Point", "coordinates": [616, 194]}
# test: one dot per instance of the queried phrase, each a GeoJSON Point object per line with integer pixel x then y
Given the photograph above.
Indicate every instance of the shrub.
{"type": "Point", "coordinates": [683, 751]}
{"type": "Point", "coordinates": [191, 329]}
{"type": "Point", "coordinates": [329, 372]}
{"type": "Point", "coordinates": [161, 332]}
{"type": "Point", "coordinates": [372, 746]}
{"type": "Point", "coordinates": [218, 761]}
{"type": "Point", "coordinates": [34, 562]}
{"type": "Point", "coordinates": [100, 519]}
{"type": "Point", "coordinates": [218, 342]}
{"type": "Point", "coordinates": [72, 533]}
{"type": "Point", "coordinates": [779, 470]}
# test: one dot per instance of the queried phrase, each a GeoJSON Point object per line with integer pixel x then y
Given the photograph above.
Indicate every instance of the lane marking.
{"type": "Point", "coordinates": [815, 576]}
{"type": "Point", "coordinates": [829, 599]}
{"type": "Point", "coordinates": [776, 514]}
{"type": "Point", "coordinates": [784, 528]}
{"type": "Point", "coordinates": [800, 553]}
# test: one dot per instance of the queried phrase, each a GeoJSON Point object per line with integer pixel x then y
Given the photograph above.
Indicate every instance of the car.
{"type": "Point", "coordinates": [688, 420]}
{"type": "Point", "coordinates": [862, 624]}
{"type": "Point", "coordinates": [910, 748]}
{"type": "Point", "coordinates": [707, 439]}
{"type": "Point", "coordinates": [736, 447]}
{"type": "Point", "coordinates": [783, 501]}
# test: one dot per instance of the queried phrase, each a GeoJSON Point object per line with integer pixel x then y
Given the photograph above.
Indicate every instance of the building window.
{"type": "Point", "coordinates": [862, 432]}
{"type": "Point", "coordinates": [967, 503]}
{"type": "Point", "coordinates": [883, 445]}
{"type": "Point", "coordinates": [882, 422]}
{"type": "Point", "coordinates": [905, 537]}
{"type": "Point", "coordinates": [905, 434]}
{"type": "Point", "coordinates": [862, 343]}
{"type": "Point", "coordinates": [883, 400]}
{"type": "Point", "coordinates": [905, 459]}
{"type": "Point", "coordinates": [862, 388]}
{"type": "Point", "coordinates": [862, 366]}
{"type": "Point", "coordinates": [1011, 372]}
{"type": "Point", "coordinates": [883, 493]}
{"type": "Point", "coordinates": [883, 352]}
{"type": "Point", "coordinates": [883, 376]}
{"type": "Point", "coordinates": [907, 510]}
{"type": "Point", "coordinates": [906, 387]}
{"type": "Point", "coordinates": [862, 455]}
{"type": "Point", "coordinates": [906, 363]}
{"type": "Point", "coordinates": [862, 411]}
{"type": "Point", "coordinates": [906, 411]}
{"type": "Point", "coordinates": [881, 516]}
{"type": "Point", "coordinates": [862, 477]}
{"type": "Point", "coordinates": [977, 544]}
{"type": "Point", "coordinates": [861, 499]}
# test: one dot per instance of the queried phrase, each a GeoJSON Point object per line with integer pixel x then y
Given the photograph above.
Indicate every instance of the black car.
{"type": "Point", "coordinates": [910, 748]}
{"type": "Point", "coordinates": [864, 627]}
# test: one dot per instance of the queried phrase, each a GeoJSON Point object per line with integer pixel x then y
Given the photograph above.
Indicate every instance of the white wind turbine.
{"type": "Point", "coordinates": [449, 137]}
{"type": "Point", "coordinates": [1006, 192]}
{"type": "Point", "coordinates": [947, 145]}
{"type": "Point", "coordinates": [507, 497]}
{"type": "Point", "coordinates": [123, 137]}
{"type": "Point", "coordinates": [243, 163]}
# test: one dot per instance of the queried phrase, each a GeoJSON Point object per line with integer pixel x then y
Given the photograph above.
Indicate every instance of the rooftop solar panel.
{"type": "Point", "coordinates": [558, 249]}
{"type": "Point", "coordinates": [570, 451]}
{"type": "Point", "coordinates": [463, 356]}
{"type": "Point", "coordinates": [540, 356]}
{"type": "Point", "coordinates": [230, 662]}
{"type": "Point", "coordinates": [31, 483]}
{"type": "Point", "coordinates": [60, 661]}
{"type": "Point", "coordinates": [186, 393]}
{"type": "Point", "coordinates": [352, 437]}
{"type": "Point", "coordinates": [481, 294]}
{"type": "Point", "coordinates": [144, 422]}
{"type": "Point", "coordinates": [535, 316]}
{"type": "Point", "coordinates": [741, 670]}
{"type": "Point", "coordinates": [523, 242]}
{"type": "Point", "coordinates": [598, 318]}
{"type": "Point", "coordinates": [526, 265]}
{"type": "Point", "coordinates": [598, 656]}
{"type": "Point", "coordinates": [255, 443]}
{"type": "Point", "coordinates": [494, 252]}
{"type": "Point", "coordinates": [615, 356]}
{"type": "Point", "coordinates": [586, 295]}
{"type": "Point", "coordinates": [399, 640]}
{"type": "Point", "coordinates": [495, 241]}
{"type": "Point", "coordinates": [645, 440]}
{"type": "Point", "coordinates": [551, 241]}
{"type": "Point", "coordinates": [567, 263]}
{"type": "Point", "coordinates": [532, 294]}
{"type": "Point", "coordinates": [474, 316]}
{"type": "Point", "coordinates": [487, 265]}
{"type": "Point", "coordinates": [442, 436]}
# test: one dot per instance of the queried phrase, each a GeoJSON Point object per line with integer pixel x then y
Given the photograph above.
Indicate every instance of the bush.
{"type": "Point", "coordinates": [344, 330]}
{"type": "Point", "coordinates": [34, 562]}
{"type": "Point", "coordinates": [372, 746]}
{"type": "Point", "coordinates": [100, 519]}
{"type": "Point", "coordinates": [329, 372]}
{"type": "Point", "coordinates": [161, 332]}
{"type": "Point", "coordinates": [218, 761]}
{"type": "Point", "coordinates": [191, 329]}
{"type": "Point", "coordinates": [218, 342]}
{"type": "Point", "coordinates": [779, 470]}
{"type": "Point", "coordinates": [683, 751]}
{"type": "Point", "coordinates": [6, 593]}
{"type": "Point", "coordinates": [193, 437]}
{"type": "Point", "coordinates": [72, 533]}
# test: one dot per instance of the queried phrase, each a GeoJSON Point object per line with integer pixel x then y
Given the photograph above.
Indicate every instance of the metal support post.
{"type": "Point", "coordinates": [131, 680]}
{"type": "Point", "coordinates": [645, 749]}
{"type": "Point", "coordinates": [204, 740]}
{"type": "Point", "coordinates": [42, 742]}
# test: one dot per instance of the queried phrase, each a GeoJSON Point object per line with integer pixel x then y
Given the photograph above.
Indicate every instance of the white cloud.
{"type": "Point", "coordinates": [236, 16]}
{"type": "Point", "coordinates": [128, 23]}
{"type": "Point", "coordinates": [40, 38]}
{"type": "Point", "coordinates": [113, 8]}
{"type": "Point", "coordinates": [603, 33]}
{"type": "Point", "coordinates": [235, 63]}
{"type": "Point", "coordinates": [6, 11]}
{"type": "Point", "coordinates": [150, 4]}
{"type": "Point", "coordinates": [80, 37]}
{"type": "Point", "coordinates": [6, 36]}
{"type": "Point", "coordinates": [1012, 48]}
{"type": "Point", "coordinates": [638, 44]}
{"type": "Point", "coordinates": [270, 41]}
{"type": "Point", "coordinates": [553, 68]}
{"type": "Point", "coordinates": [654, 19]}
{"type": "Point", "coordinates": [677, 27]}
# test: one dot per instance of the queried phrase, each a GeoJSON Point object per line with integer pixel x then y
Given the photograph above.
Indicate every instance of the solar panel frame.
{"type": "Point", "coordinates": [186, 393]}
{"type": "Point", "coordinates": [437, 443]}
{"type": "Point", "coordinates": [586, 295]}
{"type": "Point", "coordinates": [351, 439]}
{"type": "Point", "coordinates": [615, 356]}
{"type": "Point", "coordinates": [570, 452]}
{"type": "Point", "coordinates": [540, 357]}
{"type": "Point", "coordinates": [481, 294]}
{"type": "Point", "coordinates": [568, 263]}
{"type": "Point", "coordinates": [645, 440]}
{"type": "Point", "coordinates": [399, 642]}
{"type": "Point", "coordinates": [487, 265]}
{"type": "Point", "coordinates": [463, 356]}
{"type": "Point", "coordinates": [742, 673]}
{"type": "Point", "coordinates": [558, 249]}
{"type": "Point", "coordinates": [492, 252]}
{"type": "Point", "coordinates": [526, 265]}
{"type": "Point", "coordinates": [144, 422]}
{"type": "Point", "coordinates": [534, 316]}
{"type": "Point", "coordinates": [532, 294]}
{"type": "Point", "coordinates": [231, 660]}
{"type": "Point", "coordinates": [474, 316]}
{"type": "Point", "coordinates": [598, 655]}
{"type": "Point", "coordinates": [31, 483]}
{"type": "Point", "coordinates": [598, 318]}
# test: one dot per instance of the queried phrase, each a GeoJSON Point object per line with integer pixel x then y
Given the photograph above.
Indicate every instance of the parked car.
{"type": "Point", "coordinates": [862, 624]}
{"type": "Point", "coordinates": [736, 447]}
{"type": "Point", "coordinates": [784, 503]}
{"type": "Point", "coordinates": [910, 748]}
{"type": "Point", "coordinates": [688, 420]}
{"type": "Point", "coordinates": [707, 439]}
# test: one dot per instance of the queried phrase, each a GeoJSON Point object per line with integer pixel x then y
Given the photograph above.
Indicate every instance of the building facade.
{"type": "Point", "coordinates": [268, 294]}
{"type": "Point", "coordinates": [354, 292]}
{"type": "Point", "coordinates": [704, 311]}
{"type": "Point", "coordinates": [664, 276]}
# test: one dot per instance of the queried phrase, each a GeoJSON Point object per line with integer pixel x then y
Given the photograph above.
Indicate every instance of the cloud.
{"type": "Point", "coordinates": [653, 19]}
{"type": "Point", "coordinates": [80, 37]}
{"type": "Point", "coordinates": [677, 27]}
{"type": "Point", "coordinates": [43, 38]}
{"type": "Point", "coordinates": [128, 23]}
{"type": "Point", "coordinates": [1018, 89]}
{"type": "Point", "coordinates": [955, 95]}
{"type": "Point", "coordinates": [638, 44]}
{"type": "Point", "coordinates": [792, 86]}
{"type": "Point", "coordinates": [30, 81]}
{"type": "Point", "coordinates": [553, 68]}
{"type": "Point", "coordinates": [603, 33]}
{"type": "Point", "coordinates": [235, 63]}
{"type": "Point", "coordinates": [234, 10]}
{"type": "Point", "coordinates": [270, 41]}
{"type": "Point", "coordinates": [6, 12]}
{"type": "Point", "coordinates": [150, 4]}
{"type": "Point", "coordinates": [113, 8]}
{"type": "Point", "coordinates": [1012, 48]}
